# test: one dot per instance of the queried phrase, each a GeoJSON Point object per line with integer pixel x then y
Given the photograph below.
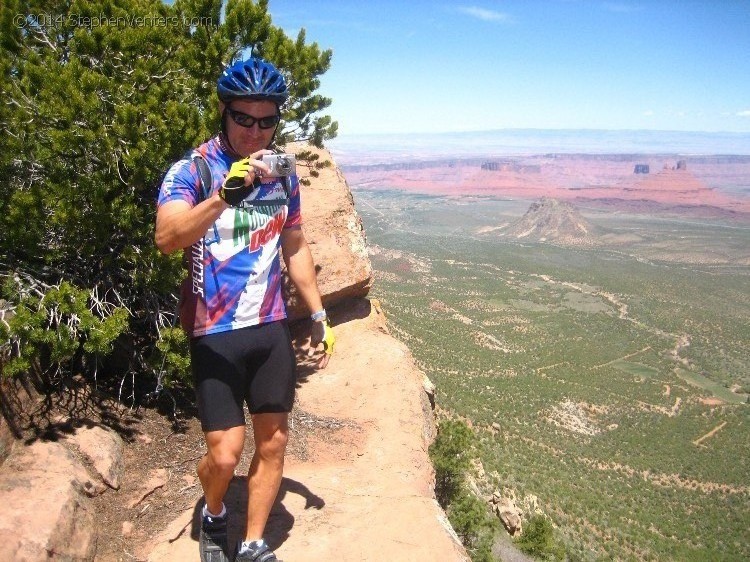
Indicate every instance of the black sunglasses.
{"type": "Point", "coordinates": [245, 120]}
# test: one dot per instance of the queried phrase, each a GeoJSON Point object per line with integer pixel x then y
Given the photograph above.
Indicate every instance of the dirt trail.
{"type": "Point", "coordinates": [623, 358]}
{"type": "Point", "coordinates": [365, 491]}
{"type": "Point", "coordinates": [710, 434]}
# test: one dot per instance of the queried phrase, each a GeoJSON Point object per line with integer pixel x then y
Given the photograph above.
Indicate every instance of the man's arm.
{"type": "Point", "coordinates": [300, 266]}
{"type": "Point", "coordinates": [301, 270]}
{"type": "Point", "coordinates": [178, 225]}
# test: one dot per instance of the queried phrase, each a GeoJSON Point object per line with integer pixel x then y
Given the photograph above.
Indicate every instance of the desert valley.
{"type": "Point", "coordinates": [586, 316]}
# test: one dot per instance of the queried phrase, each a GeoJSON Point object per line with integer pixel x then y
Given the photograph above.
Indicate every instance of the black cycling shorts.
{"type": "Point", "coordinates": [255, 365]}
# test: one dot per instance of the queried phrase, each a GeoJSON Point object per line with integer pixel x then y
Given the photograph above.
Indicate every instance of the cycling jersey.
{"type": "Point", "coordinates": [234, 273]}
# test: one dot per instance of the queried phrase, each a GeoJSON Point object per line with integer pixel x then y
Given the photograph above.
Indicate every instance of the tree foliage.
{"type": "Point", "coordinates": [538, 539]}
{"type": "Point", "coordinates": [97, 98]}
{"type": "Point", "coordinates": [451, 454]}
{"type": "Point", "coordinates": [472, 522]}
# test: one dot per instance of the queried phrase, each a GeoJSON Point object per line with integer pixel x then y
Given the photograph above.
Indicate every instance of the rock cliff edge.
{"type": "Point", "coordinates": [361, 488]}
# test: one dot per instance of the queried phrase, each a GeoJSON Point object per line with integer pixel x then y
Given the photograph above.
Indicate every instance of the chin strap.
{"type": "Point", "coordinates": [226, 146]}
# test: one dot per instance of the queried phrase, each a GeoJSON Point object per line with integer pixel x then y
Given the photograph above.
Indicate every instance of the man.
{"type": "Point", "coordinates": [231, 304]}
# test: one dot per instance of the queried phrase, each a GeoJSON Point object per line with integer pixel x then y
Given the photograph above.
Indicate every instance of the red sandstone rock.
{"type": "Point", "coordinates": [607, 178]}
{"type": "Point", "coordinates": [47, 516]}
{"type": "Point", "coordinates": [103, 448]}
{"type": "Point", "coordinates": [336, 237]}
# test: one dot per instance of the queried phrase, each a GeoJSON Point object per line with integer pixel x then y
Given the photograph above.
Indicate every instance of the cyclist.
{"type": "Point", "coordinates": [231, 304]}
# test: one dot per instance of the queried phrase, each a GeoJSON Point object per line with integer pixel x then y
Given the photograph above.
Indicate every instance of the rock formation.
{"type": "Point", "coordinates": [550, 220]}
{"type": "Point", "coordinates": [47, 489]}
{"type": "Point", "coordinates": [336, 237]}
{"type": "Point", "coordinates": [508, 512]}
{"type": "Point", "coordinates": [605, 180]}
{"type": "Point", "coordinates": [670, 185]}
{"type": "Point", "coordinates": [511, 511]}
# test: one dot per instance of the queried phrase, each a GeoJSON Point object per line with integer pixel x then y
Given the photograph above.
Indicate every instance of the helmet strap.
{"type": "Point", "coordinates": [224, 137]}
{"type": "Point", "coordinates": [272, 144]}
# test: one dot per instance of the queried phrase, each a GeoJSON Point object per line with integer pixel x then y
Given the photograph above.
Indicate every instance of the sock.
{"type": "Point", "coordinates": [207, 513]}
{"type": "Point", "coordinates": [251, 545]}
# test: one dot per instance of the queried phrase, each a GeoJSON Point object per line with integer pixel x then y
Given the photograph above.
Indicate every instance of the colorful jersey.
{"type": "Point", "coordinates": [234, 273]}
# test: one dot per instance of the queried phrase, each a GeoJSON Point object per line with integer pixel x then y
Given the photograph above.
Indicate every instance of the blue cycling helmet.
{"type": "Point", "coordinates": [252, 79]}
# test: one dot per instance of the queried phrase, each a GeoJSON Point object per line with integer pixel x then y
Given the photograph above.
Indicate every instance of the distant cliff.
{"type": "Point", "coordinates": [484, 162]}
{"type": "Point", "coordinates": [681, 185]}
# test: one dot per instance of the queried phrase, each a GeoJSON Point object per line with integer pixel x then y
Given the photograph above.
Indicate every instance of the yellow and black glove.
{"type": "Point", "coordinates": [234, 190]}
{"type": "Point", "coordinates": [322, 332]}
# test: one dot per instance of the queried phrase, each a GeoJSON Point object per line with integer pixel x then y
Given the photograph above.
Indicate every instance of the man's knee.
{"type": "Point", "coordinates": [223, 461]}
{"type": "Point", "coordinates": [225, 450]}
{"type": "Point", "coordinates": [271, 433]}
{"type": "Point", "coordinates": [275, 444]}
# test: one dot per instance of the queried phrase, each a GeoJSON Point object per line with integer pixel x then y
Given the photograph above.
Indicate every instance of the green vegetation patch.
{"type": "Point", "coordinates": [530, 306]}
{"type": "Point", "coordinates": [584, 302]}
{"type": "Point", "coordinates": [637, 369]}
{"type": "Point", "coordinates": [713, 387]}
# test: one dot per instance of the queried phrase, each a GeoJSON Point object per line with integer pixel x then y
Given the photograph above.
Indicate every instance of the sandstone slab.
{"type": "Point", "coordinates": [43, 486]}
{"type": "Point", "coordinates": [103, 448]}
{"type": "Point", "coordinates": [365, 493]}
{"type": "Point", "coordinates": [336, 237]}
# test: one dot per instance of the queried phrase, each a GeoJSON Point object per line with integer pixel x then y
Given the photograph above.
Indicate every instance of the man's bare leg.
{"type": "Point", "coordinates": [216, 468]}
{"type": "Point", "coordinates": [271, 432]}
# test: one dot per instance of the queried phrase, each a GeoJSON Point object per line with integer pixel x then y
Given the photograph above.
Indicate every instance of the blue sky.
{"type": "Point", "coordinates": [401, 66]}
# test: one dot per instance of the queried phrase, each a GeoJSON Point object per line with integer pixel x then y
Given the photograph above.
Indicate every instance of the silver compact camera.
{"type": "Point", "coordinates": [280, 164]}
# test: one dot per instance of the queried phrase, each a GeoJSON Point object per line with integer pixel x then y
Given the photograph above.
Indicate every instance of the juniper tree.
{"type": "Point", "coordinates": [450, 454]}
{"type": "Point", "coordinates": [97, 98]}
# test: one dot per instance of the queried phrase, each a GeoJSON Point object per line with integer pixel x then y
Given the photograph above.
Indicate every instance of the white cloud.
{"type": "Point", "coordinates": [648, 113]}
{"type": "Point", "coordinates": [744, 113]}
{"type": "Point", "coordinates": [483, 13]}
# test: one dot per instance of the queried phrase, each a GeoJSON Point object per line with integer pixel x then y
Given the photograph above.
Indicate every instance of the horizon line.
{"type": "Point", "coordinates": [558, 129]}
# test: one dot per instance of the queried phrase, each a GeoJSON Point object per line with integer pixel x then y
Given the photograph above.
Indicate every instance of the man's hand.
{"type": "Point", "coordinates": [236, 188]}
{"type": "Point", "coordinates": [243, 177]}
{"type": "Point", "coordinates": [322, 333]}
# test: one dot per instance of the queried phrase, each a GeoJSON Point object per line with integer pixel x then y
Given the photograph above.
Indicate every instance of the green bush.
{"type": "Point", "coordinates": [92, 116]}
{"type": "Point", "coordinates": [63, 323]}
{"type": "Point", "coordinates": [538, 539]}
{"type": "Point", "coordinates": [450, 454]}
{"type": "Point", "coordinates": [473, 522]}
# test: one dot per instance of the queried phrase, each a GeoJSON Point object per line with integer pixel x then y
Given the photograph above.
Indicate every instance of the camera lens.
{"type": "Point", "coordinates": [284, 165]}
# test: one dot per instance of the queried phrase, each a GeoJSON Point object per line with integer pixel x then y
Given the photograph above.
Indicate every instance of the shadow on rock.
{"type": "Point", "coordinates": [347, 311]}
{"type": "Point", "coordinates": [280, 521]}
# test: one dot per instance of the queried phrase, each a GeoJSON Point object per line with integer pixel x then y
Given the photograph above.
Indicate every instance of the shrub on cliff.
{"type": "Point", "coordinates": [538, 540]}
{"type": "Point", "coordinates": [451, 454]}
{"type": "Point", "coordinates": [97, 99]}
